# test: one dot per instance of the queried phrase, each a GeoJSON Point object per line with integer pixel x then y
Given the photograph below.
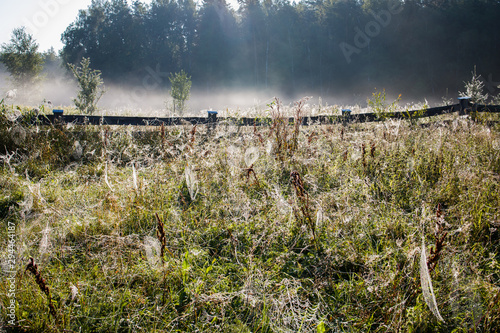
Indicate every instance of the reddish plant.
{"type": "Point", "coordinates": [303, 205]}
{"type": "Point", "coordinates": [40, 281]}
{"type": "Point", "coordinates": [439, 236]}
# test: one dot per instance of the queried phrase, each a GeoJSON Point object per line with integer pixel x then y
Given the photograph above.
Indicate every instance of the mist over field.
{"type": "Point", "coordinates": [136, 99]}
{"type": "Point", "coordinates": [339, 51]}
{"type": "Point", "coordinates": [336, 50]}
{"type": "Point", "coordinates": [60, 88]}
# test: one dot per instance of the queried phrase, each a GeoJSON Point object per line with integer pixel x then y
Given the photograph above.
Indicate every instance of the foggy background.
{"type": "Point", "coordinates": [241, 56]}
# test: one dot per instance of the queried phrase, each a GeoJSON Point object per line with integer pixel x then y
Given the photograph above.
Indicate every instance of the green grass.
{"type": "Point", "coordinates": [240, 256]}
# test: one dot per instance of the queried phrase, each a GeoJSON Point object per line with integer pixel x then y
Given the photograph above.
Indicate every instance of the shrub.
{"type": "Point", "coordinates": [89, 81]}
{"type": "Point", "coordinates": [475, 89]}
{"type": "Point", "coordinates": [181, 86]}
{"type": "Point", "coordinates": [379, 106]}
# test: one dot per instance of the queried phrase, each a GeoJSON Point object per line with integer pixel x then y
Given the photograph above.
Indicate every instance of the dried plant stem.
{"type": "Point", "coordinates": [193, 136]}
{"type": "Point", "coordinates": [304, 207]}
{"type": "Point", "coordinates": [162, 132]}
{"type": "Point", "coordinates": [363, 155]}
{"type": "Point", "coordinates": [40, 281]}
{"type": "Point", "coordinates": [160, 234]}
{"type": "Point", "coordinates": [286, 135]}
{"type": "Point", "coordinates": [257, 134]}
{"type": "Point", "coordinates": [439, 237]}
{"type": "Point", "coordinates": [250, 171]}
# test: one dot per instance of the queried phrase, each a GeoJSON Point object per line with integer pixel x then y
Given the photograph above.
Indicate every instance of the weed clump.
{"type": "Point", "coordinates": [89, 81]}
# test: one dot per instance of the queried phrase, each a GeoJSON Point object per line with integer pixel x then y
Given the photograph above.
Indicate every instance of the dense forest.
{"type": "Point", "coordinates": [415, 47]}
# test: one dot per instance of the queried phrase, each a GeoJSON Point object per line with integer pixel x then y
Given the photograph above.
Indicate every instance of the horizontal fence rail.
{"type": "Point", "coordinates": [464, 108]}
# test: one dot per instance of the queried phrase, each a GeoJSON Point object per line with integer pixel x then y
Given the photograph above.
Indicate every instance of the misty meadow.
{"type": "Point", "coordinates": [264, 219]}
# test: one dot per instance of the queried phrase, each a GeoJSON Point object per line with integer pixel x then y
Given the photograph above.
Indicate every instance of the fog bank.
{"type": "Point", "coordinates": [59, 88]}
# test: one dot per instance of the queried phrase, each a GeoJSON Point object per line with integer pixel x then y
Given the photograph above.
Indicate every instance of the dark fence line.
{"type": "Point", "coordinates": [464, 107]}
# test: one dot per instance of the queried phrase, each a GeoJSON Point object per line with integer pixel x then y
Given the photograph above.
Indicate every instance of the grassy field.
{"type": "Point", "coordinates": [384, 227]}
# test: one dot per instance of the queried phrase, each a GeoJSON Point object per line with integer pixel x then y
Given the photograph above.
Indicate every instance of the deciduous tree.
{"type": "Point", "coordinates": [21, 58]}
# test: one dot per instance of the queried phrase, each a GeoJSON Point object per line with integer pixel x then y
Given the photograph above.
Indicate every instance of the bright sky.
{"type": "Point", "coordinates": [46, 20]}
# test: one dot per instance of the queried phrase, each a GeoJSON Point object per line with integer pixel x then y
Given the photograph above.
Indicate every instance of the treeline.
{"type": "Point", "coordinates": [329, 46]}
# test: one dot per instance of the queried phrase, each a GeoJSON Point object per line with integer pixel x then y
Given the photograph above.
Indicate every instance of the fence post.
{"type": "Point", "coordinates": [464, 105]}
{"type": "Point", "coordinates": [346, 115]}
{"type": "Point", "coordinates": [58, 113]}
{"type": "Point", "coordinates": [212, 119]}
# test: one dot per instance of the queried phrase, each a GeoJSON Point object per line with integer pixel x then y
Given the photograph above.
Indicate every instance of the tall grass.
{"type": "Point", "coordinates": [338, 250]}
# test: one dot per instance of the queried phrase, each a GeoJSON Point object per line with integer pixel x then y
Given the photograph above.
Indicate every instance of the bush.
{"type": "Point", "coordinates": [181, 85]}
{"type": "Point", "coordinates": [89, 81]}
{"type": "Point", "coordinates": [475, 89]}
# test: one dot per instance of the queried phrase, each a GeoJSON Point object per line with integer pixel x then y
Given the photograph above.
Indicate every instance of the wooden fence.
{"type": "Point", "coordinates": [463, 107]}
